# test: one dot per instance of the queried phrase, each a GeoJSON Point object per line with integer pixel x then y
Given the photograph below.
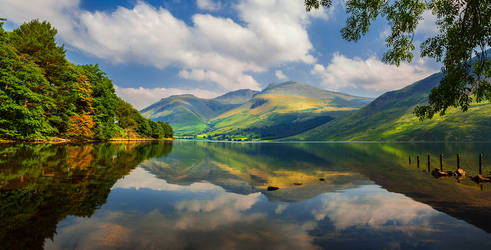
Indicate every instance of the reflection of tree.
{"type": "Point", "coordinates": [387, 165]}
{"type": "Point", "coordinates": [42, 184]}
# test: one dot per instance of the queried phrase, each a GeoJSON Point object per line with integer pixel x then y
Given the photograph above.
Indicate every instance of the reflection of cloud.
{"type": "Point", "coordinates": [220, 222]}
{"type": "Point", "coordinates": [354, 208]}
{"type": "Point", "coordinates": [102, 235]}
{"type": "Point", "coordinates": [236, 201]}
{"type": "Point", "coordinates": [224, 209]}
{"type": "Point", "coordinates": [139, 178]}
{"type": "Point", "coordinates": [280, 208]}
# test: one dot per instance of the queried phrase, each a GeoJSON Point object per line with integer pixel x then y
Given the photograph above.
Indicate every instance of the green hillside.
{"type": "Point", "coordinates": [390, 117]}
{"type": "Point", "coordinates": [280, 110]}
{"type": "Point", "coordinates": [189, 114]}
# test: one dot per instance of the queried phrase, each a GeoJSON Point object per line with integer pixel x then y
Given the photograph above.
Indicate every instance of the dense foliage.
{"type": "Point", "coordinates": [43, 95]}
{"type": "Point", "coordinates": [464, 32]}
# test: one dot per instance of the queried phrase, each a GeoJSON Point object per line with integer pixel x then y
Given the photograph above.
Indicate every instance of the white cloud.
{"type": "Point", "coordinates": [142, 97]}
{"type": "Point", "coordinates": [217, 49]}
{"type": "Point", "coordinates": [428, 25]}
{"type": "Point", "coordinates": [371, 73]}
{"type": "Point", "coordinates": [209, 5]}
{"type": "Point", "coordinates": [58, 12]}
{"type": "Point", "coordinates": [280, 75]}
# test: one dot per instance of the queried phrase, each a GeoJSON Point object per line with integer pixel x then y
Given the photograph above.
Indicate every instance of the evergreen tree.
{"type": "Point", "coordinates": [42, 94]}
{"type": "Point", "coordinates": [22, 103]}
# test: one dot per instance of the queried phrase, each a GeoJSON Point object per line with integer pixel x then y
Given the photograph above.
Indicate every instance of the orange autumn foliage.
{"type": "Point", "coordinates": [81, 125]}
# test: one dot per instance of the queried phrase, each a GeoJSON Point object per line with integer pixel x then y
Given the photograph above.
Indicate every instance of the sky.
{"type": "Point", "coordinates": [152, 49]}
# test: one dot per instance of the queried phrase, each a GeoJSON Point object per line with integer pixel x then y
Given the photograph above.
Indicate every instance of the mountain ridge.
{"type": "Point", "coordinates": [390, 117]}
{"type": "Point", "coordinates": [288, 101]}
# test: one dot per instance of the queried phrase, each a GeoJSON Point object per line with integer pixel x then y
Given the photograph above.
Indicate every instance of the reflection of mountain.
{"type": "Point", "coordinates": [247, 168]}
{"type": "Point", "coordinates": [387, 166]}
{"type": "Point", "coordinates": [42, 184]}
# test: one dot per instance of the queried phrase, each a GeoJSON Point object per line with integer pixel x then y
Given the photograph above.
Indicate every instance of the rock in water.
{"type": "Point", "coordinates": [271, 188]}
{"type": "Point", "coordinates": [438, 173]}
{"type": "Point", "coordinates": [460, 172]}
{"type": "Point", "coordinates": [479, 178]}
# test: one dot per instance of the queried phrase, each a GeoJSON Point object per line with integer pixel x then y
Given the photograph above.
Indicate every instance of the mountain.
{"type": "Point", "coordinates": [236, 97]}
{"type": "Point", "coordinates": [188, 114]}
{"type": "Point", "coordinates": [280, 110]}
{"type": "Point", "coordinates": [283, 109]}
{"type": "Point", "coordinates": [390, 117]}
{"type": "Point", "coordinates": [292, 88]}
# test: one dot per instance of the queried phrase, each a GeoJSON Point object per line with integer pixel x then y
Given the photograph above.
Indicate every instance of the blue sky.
{"type": "Point", "coordinates": [155, 48]}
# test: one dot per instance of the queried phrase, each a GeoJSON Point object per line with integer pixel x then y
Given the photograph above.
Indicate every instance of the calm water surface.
{"type": "Point", "coordinates": [212, 195]}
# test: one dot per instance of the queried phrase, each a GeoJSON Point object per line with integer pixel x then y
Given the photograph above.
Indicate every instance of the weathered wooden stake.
{"type": "Point", "coordinates": [429, 169]}
{"type": "Point", "coordinates": [409, 160]}
{"type": "Point", "coordinates": [417, 160]}
{"type": "Point", "coordinates": [458, 161]}
{"type": "Point", "coordinates": [441, 162]}
{"type": "Point", "coordinates": [480, 163]}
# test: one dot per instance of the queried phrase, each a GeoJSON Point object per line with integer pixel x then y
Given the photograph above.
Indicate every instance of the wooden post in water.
{"type": "Point", "coordinates": [441, 162]}
{"type": "Point", "coordinates": [429, 169]}
{"type": "Point", "coordinates": [409, 160]}
{"type": "Point", "coordinates": [417, 160]}
{"type": "Point", "coordinates": [458, 161]}
{"type": "Point", "coordinates": [480, 163]}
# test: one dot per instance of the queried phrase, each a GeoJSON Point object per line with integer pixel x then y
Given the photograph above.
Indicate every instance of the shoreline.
{"type": "Point", "coordinates": [63, 140]}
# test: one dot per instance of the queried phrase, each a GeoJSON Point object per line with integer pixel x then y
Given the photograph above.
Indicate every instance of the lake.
{"type": "Point", "coordinates": [214, 195]}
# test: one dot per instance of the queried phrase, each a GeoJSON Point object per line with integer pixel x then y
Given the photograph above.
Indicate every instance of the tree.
{"type": "Point", "coordinates": [81, 126]}
{"type": "Point", "coordinates": [42, 94]}
{"type": "Point", "coordinates": [167, 129]}
{"type": "Point", "coordinates": [464, 33]}
{"type": "Point", "coordinates": [36, 40]}
{"type": "Point", "coordinates": [22, 104]}
{"type": "Point", "coordinates": [104, 101]}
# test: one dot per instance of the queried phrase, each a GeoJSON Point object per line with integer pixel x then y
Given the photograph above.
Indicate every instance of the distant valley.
{"type": "Point", "coordinates": [278, 111]}
{"type": "Point", "coordinates": [297, 111]}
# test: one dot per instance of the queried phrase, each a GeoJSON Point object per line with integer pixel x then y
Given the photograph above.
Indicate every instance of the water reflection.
{"type": "Point", "coordinates": [40, 185]}
{"type": "Point", "coordinates": [205, 216]}
{"type": "Point", "coordinates": [213, 196]}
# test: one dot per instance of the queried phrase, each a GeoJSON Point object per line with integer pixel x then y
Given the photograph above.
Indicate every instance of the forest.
{"type": "Point", "coordinates": [44, 96]}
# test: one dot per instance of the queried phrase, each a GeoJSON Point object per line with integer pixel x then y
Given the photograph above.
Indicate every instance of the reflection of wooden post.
{"type": "Point", "coordinates": [429, 163]}
{"type": "Point", "coordinates": [441, 162]}
{"type": "Point", "coordinates": [458, 161]}
{"type": "Point", "coordinates": [409, 160]}
{"type": "Point", "coordinates": [417, 160]}
{"type": "Point", "coordinates": [480, 163]}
